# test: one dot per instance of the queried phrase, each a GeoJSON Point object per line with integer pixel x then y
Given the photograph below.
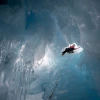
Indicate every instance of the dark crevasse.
{"type": "Point", "coordinates": [32, 36]}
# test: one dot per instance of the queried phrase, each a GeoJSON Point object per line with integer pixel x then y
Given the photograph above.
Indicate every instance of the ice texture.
{"type": "Point", "coordinates": [32, 36]}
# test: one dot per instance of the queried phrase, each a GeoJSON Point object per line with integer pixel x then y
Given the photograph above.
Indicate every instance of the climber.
{"type": "Point", "coordinates": [70, 49]}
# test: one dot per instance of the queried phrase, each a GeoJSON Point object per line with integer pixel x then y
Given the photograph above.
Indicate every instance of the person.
{"type": "Point", "coordinates": [70, 49]}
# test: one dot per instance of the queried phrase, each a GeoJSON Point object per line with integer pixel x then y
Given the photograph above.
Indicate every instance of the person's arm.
{"type": "Point", "coordinates": [76, 48]}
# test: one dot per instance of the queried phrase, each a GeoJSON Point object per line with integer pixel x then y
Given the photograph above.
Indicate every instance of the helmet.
{"type": "Point", "coordinates": [74, 44]}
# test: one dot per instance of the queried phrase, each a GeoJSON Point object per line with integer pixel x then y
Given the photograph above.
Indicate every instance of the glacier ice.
{"type": "Point", "coordinates": [32, 35]}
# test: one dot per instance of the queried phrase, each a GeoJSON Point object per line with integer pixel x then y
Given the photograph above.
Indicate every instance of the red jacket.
{"type": "Point", "coordinates": [72, 46]}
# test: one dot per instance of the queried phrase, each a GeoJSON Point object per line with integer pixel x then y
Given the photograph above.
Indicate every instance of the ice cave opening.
{"type": "Point", "coordinates": [32, 36]}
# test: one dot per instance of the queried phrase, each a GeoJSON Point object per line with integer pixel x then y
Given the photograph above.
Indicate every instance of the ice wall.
{"type": "Point", "coordinates": [32, 35]}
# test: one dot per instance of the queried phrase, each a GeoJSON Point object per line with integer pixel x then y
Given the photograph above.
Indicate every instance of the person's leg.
{"type": "Point", "coordinates": [71, 50]}
{"type": "Point", "coordinates": [66, 50]}
{"type": "Point", "coordinates": [63, 52]}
